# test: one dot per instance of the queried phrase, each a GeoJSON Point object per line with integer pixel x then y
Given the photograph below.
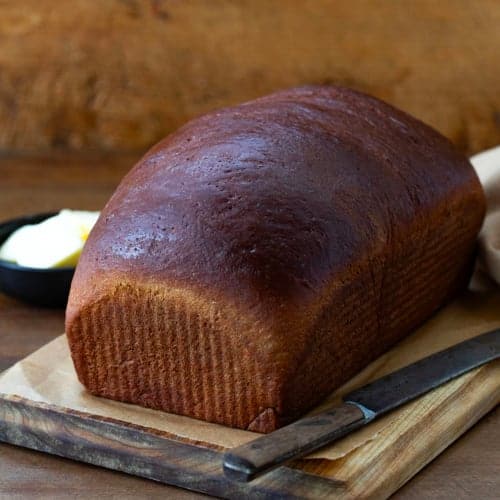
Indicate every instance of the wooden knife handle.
{"type": "Point", "coordinates": [256, 457]}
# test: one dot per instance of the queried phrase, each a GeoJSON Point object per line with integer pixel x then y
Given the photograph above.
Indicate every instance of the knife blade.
{"type": "Point", "coordinates": [360, 407]}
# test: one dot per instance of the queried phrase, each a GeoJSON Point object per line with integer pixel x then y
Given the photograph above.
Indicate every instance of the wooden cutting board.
{"type": "Point", "coordinates": [375, 466]}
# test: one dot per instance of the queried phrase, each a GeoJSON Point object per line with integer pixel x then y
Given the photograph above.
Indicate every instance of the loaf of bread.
{"type": "Point", "coordinates": [263, 254]}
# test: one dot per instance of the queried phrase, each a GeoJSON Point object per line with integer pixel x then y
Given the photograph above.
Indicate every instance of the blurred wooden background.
{"type": "Point", "coordinates": [118, 75]}
{"type": "Point", "coordinates": [86, 86]}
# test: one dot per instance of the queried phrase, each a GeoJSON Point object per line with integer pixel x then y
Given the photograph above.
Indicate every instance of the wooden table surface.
{"type": "Point", "coordinates": [470, 468]}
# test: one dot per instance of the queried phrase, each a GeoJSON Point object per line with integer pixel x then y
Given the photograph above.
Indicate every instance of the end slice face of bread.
{"type": "Point", "coordinates": [257, 259]}
{"type": "Point", "coordinates": [165, 349]}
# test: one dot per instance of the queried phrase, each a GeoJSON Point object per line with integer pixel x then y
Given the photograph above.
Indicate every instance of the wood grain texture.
{"type": "Point", "coordinates": [27, 474]}
{"type": "Point", "coordinates": [466, 470]}
{"type": "Point", "coordinates": [375, 469]}
{"type": "Point", "coordinates": [143, 452]}
{"type": "Point", "coordinates": [121, 74]}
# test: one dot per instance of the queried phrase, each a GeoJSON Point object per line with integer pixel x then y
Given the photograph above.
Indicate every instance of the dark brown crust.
{"type": "Point", "coordinates": [263, 254]}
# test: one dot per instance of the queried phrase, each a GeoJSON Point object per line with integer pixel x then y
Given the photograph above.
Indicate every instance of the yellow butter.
{"type": "Point", "coordinates": [56, 242]}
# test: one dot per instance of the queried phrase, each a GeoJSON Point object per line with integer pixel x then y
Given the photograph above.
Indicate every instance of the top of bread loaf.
{"type": "Point", "coordinates": [272, 197]}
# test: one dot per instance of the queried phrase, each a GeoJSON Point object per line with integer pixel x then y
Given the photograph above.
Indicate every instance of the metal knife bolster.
{"type": "Point", "coordinates": [362, 405]}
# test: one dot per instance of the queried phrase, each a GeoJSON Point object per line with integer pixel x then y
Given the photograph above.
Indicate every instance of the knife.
{"type": "Point", "coordinates": [360, 407]}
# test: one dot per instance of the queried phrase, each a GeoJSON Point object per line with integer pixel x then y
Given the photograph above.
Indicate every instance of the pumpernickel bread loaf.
{"type": "Point", "coordinates": [260, 256]}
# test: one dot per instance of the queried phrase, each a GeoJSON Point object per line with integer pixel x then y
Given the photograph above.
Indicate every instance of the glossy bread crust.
{"type": "Point", "coordinates": [259, 257]}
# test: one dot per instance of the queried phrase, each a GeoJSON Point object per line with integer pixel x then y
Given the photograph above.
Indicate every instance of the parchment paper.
{"type": "Point", "coordinates": [48, 376]}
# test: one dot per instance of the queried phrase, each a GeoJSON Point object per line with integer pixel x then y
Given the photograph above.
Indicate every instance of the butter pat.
{"type": "Point", "coordinates": [55, 242]}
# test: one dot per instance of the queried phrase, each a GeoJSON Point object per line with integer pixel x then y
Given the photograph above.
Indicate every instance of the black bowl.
{"type": "Point", "coordinates": [41, 287]}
